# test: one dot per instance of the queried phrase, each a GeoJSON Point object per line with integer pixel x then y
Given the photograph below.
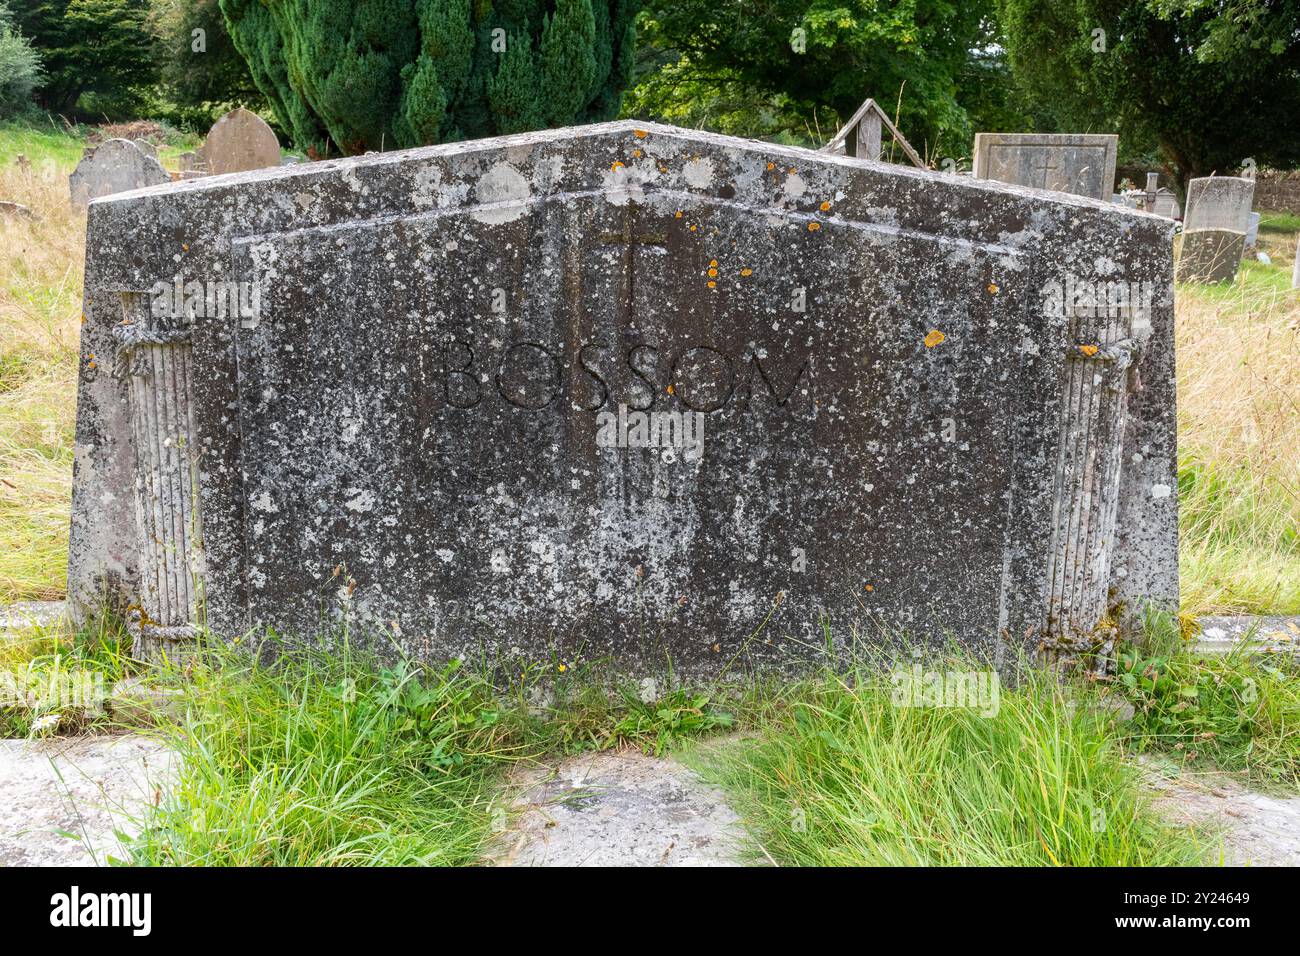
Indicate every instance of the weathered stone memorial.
{"type": "Point", "coordinates": [238, 142]}
{"type": "Point", "coordinates": [114, 166]}
{"type": "Point", "coordinates": [1079, 163]}
{"type": "Point", "coordinates": [624, 391]}
{"type": "Point", "coordinates": [1215, 228]}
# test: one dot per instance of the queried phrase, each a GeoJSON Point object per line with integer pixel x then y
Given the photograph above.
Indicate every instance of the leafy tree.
{"type": "Point", "coordinates": [20, 67]}
{"type": "Point", "coordinates": [1209, 83]}
{"type": "Point", "coordinates": [805, 59]}
{"type": "Point", "coordinates": [99, 46]}
{"type": "Point", "coordinates": [356, 75]}
{"type": "Point", "coordinates": [199, 63]}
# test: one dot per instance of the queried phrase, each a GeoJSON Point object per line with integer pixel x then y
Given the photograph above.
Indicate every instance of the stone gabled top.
{"type": "Point", "coordinates": [616, 132]}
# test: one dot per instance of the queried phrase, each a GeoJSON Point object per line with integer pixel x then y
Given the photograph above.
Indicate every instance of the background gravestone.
{"type": "Point", "coordinates": [1214, 229]}
{"type": "Point", "coordinates": [1252, 230]}
{"type": "Point", "coordinates": [1167, 204]}
{"type": "Point", "coordinates": [901, 431]}
{"type": "Point", "coordinates": [1079, 163]}
{"type": "Point", "coordinates": [114, 166]}
{"type": "Point", "coordinates": [238, 142]}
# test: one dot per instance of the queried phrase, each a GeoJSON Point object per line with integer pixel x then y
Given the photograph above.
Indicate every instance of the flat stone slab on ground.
{"type": "Point", "coordinates": [1256, 829]}
{"type": "Point", "coordinates": [87, 786]}
{"type": "Point", "coordinates": [618, 809]}
{"type": "Point", "coordinates": [1219, 635]}
{"type": "Point", "coordinates": [23, 614]}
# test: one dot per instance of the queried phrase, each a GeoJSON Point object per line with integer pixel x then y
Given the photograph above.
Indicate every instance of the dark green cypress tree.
{"type": "Point", "coordinates": [356, 75]}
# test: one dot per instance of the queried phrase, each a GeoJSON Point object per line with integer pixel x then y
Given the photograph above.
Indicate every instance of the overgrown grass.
{"type": "Point", "coordinates": [40, 311]}
{"type": "Point", "coordinates": [323, 760]}
{"type": "Point", "coordinates": [1239, 712]}
{"type": "Point", "coordinates": [843, 775]}
{"type": "Point", "coordinates": [40, 665]}
{"type": "Point", "coordinates": [322, 756]}
{"type": "Point", "coordinates": [45, 144]}
{"type": "Point", "coordinates": [1239, 443]}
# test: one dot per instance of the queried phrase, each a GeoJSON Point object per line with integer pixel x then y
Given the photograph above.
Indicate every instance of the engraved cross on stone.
{"type": "Point", "coordinates": [1045, 168]}
{"type": "Point", "coordinates": [629, 240]}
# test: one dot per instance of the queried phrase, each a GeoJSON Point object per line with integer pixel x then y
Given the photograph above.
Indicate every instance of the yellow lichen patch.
{"type": "Point", "coordinates": [1089, 350]}
{"type": "Point", "coordinates": [636, 153]}
{"type": "Point", "coordinates": [790, 170]}
{"type": "Point", "coordinates": [746, 272]}
{"type": "Point", "coordinates": [663, 169]}
{"type": "Point", "coordinates": [869, 587]}
{"type": "Point", "coordinates": [616, 166]}
{"type": "Point", "coordinates": [713, 272]}
{"type": "Point", "coordinates": [185, 247]}
{"type": "Point", "coordinates": [670, 390]}
{"type": "Point", "coordinates": [934, 338]}
{"type": "Point", "coordinates": [639, 133]}
{"type": "Point", "coordinates": [814, 226]}
{"type": "Point", "coordinates": [713, 263]}
{"type": "Point", "coordinates": [771, 165]}
{"type": "Point", "coordinates": [826, 206]}
{"type": "Point", "coordinates": [692, 228]}
{"type": "Point", "coordinates": [993, 288]}
{"type": "Point", "coordinates": [677, 214]}
{"type": "Point", "coordinates": [712, 284]}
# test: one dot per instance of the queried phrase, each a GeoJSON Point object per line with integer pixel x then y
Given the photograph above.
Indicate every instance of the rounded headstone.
{"type": "Point", "coordinates": [238, 142]}
{"type": "Point", "coordinates": [115, 166]}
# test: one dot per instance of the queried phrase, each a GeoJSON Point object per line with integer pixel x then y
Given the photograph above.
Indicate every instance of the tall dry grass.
{"type": "Point", "coordinates": [1239, 436]}
{"type": "Point", "coordinates": [40, 311]}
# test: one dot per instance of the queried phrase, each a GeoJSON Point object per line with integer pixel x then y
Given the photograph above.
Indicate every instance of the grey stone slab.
{"type": "Point", "coordinates": [1215, 228]}
{"type": "Point", "coordinates": [114, 166]}
{"type": "Point", "coordinates": [1242, 827]}
{"type": "Point", "coordinates": [63, 801]}
{"type": "Point", "coordinates": [617, 809]}
{"type": "Point", "coordinates": [26, 614]}
{"type": "Point", "coordinates": [1227, 633]}
{"type": "Point", "coordinates": [1079, 163]}
{"type": "Point", "coordinates": [916, 414]}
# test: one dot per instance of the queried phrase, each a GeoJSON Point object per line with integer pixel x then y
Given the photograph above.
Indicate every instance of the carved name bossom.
{"type": "Point", "coordinates": [702, 378]}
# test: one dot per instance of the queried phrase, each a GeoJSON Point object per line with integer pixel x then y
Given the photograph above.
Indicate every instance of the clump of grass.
{"type": "Point", "coordinates": [1236, 712]}
{"type": "Point", "coordinates": [322, 759]}
{"type": "Point", "coordinates": [61, 677]}
{"type": "Point", "coordinates": [843, 775]}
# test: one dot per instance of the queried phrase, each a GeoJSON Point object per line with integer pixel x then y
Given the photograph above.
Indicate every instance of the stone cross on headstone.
{"type": "Point", "coordinates": [861, 136]}
{"type": "Point", "coordinates": [732, 388]}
